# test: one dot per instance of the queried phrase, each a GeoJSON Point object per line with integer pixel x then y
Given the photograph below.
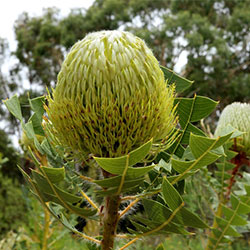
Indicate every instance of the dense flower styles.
{"type": "Point", "coordinates": [111, 97]}
{"type": "Point", "coordinates": [238, 116]}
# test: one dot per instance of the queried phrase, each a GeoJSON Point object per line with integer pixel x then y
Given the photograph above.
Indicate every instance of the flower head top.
{"type": "Point", "coordinates": [111, 97]}
{"type": "Point", "coordinates": [238, 116]}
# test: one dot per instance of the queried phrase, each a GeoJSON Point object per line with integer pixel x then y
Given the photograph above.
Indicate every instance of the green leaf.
{"type": "Point", "coordinates": [169, 228]}
{"type": "Point", "coordinates": [225, 175]}
{"type": "Point", "coordinates": [171, 195]}
{"type": "Point", "coordinates": [181, 177]}
{"type": "Point", "coordinates": [160, 247]}
{"type": "Point", "coordinates": [26, 177]}
{"type": "Point", "coordinates": [156, 211]}
{"type": "Point", "coordinates": [190, 110]}
{"type": "Point", "coordinates": [189, 219]}
{"type": "Point", "coordinates": [138, 171]}
{"type": "Point", "coordinates": [229, 130]}
{"type": "Point", "coordinates": [199, 144]}
{"type": "Point", "coordinates": [45, 187]}
{"type": "Point", "coordinates": [225, 166]}
{"type": "Point", "coordinates": [242, 208]}
{"type": "Point", "coordinates": [229, 214]}
{"type": "Point", "coordinates": [194, 109]}
{"type": "Point", "coordinates": [118, 164]}
{"type": "Point", "coordinates": [37, 125]}
{"type": "Point", "coordinates": [29, 130]}
{"type": "Point", "coordinates": [191, 129]}
{"type": "Point", "coordinates": [226, 228]}
{"type": "Point", "coordinates": [115, 182]}
{"type": "Point", "coordinates": [187, 166]}
{"type": "Point", "coordinates": [54, 174]}
{"type": "Point", "coordinates": [13, 105]}
{"type": "Point", "coordinates": [84, 212]}
{"type": "Point", "coordinates": [36, 105]}
{"type": "Point", "coordinates": [203, 149]}
{"type": "Point", "coordinates": [247, 188]}
{"type": "Point", "coordinates": [114, 190]}
{"type": "Point", "coordinates": [180, 82]}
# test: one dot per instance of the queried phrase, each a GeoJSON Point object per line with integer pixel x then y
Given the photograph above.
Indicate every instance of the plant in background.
{"type": "Point", "coordinates": [232, 207]}
{"type": "Point", "coordinates": [238, 116]}
{"type": "Point", "coordinates": [11, 199]}
{"type": "Point", "coordinates": [114, 108]}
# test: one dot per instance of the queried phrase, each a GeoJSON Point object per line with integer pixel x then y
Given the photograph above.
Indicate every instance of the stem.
{"type": "Point", "coordinates": [110, 220]}
{"type": "Point", "coordinates": [46, 228]}
{"type": "Point", "coordinates": [128, 207]}
{"type": "Point", "coordinates": [90, 201]}
{"type": "Point", "coordinates": [129, 243]}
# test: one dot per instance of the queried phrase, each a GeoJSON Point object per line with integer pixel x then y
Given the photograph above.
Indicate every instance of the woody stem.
{"type": "Point", "coordinates": [110, 220]}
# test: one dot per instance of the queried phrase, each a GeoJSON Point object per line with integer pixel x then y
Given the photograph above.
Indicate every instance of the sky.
{"type": "Point", "coordinates": [11, 9]}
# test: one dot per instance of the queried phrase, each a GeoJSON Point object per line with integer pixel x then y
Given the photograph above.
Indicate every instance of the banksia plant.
{"type": "Point", "coordinates": [27, 143]}
{"type": "Point", "coordinates": [114, 104]}
{"type": "Point", "coordinates": [111, 97]}
{"type": "Point", "coordinates": [238, 116]}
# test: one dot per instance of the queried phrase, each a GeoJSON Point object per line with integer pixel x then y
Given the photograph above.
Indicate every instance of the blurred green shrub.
{"type": "Point", "coordinates": [12, 205]}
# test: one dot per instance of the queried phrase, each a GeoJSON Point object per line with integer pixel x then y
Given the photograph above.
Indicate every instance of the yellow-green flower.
{"type": "Point", "coordinates": [238, 116]}
{"type": "Point", "coordinates": [111, 97]}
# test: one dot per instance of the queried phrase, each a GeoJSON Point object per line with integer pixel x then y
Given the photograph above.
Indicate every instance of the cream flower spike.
{"type": "Point", "coordinates": [111, 97]}
{"type": "Point", "coordinates": [238, 116]}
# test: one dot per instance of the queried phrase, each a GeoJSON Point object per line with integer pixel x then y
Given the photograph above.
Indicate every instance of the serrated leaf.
{"type": "Point", "coordinates": [115, 182]}
{"type": "Point", "coordinates": [38, 129]}
{"type": "Point", "coordinates": [156, 211]}
{"type": "Point", "coordinates": [191, 129]}
{"type": "Point", "coordinates": [160, 247]}
{"type": "Point", "coordinates": [189, 219]}
{"type": "Point", "coordinates": [45, 187]}
{"type": "Point", "coordinates": [229, 129]}
{"type": "Point", "coordinates": [225, 175]}
{"type": "Point", "coordinates": [117, 165]}
{"type": "Point", "coordinates": [230, 154]}
{"type": "Point", "coordinates": [194, 109]}
{"type": "Point", "coordinates": [226, 228]}
{"type": "Point", "coordinates": [199, 144]}
{"type": "Point", "coordinates": [172, 78]}
{"type": "Point", "coordinates": [183, 166]}
{"type": "Point", "coordinates": [171, 195]}
{"type": "Point", "coordinates": [36, 105]}
{"type": "Point", "coordinates": [229, 214]}
{"type": "Point", "coordinates": [13, 105]}
{"type": "Point", "coordinates": [29, 130]}
{"type": "Point", "coordinates": [166, 166]}
{"type": "Point", "coordinates": [114, 190]}
{"type": "Point", "coordinates": [169, 228]}
{"type": "Point", "coordinates": [247, 188]}
{"type": "Point", "coordinates": [138, 171]}
{"type": "Point", "coordinates": [242, 208]}
{"type": "Point", "coordinates": [26, 177]}
{"type": "Point", "coordinates": [49, 197]}
{"type": "Point", "coordinates": [225, 166]}
{"type": "Point", "coordinates": [190, 110]}
{"type": "Point", "coordinates": [139, 227]}
{"type": "Point", "coordinates": [54, 174]}
{"type": "Point", "coordinates": [179, 177]}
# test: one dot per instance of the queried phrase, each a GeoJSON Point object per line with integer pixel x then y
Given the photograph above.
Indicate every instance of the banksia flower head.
{"type": "Point", "coordinates": [111, 97]}
{"type": "Point", "coordinates": [238, 116]}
